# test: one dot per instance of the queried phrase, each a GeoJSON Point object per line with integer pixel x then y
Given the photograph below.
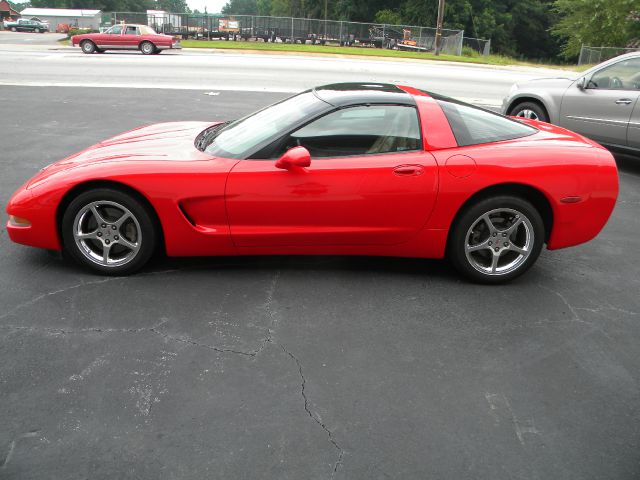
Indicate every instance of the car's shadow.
{"type": "Point", "coordinates": [628, 163]}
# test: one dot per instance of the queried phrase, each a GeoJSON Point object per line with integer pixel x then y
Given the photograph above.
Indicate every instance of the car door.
{"type": "Point", "coordinates": [602, 109]}
{"type": "Point", "coordinates": [369, 183]}
{"type": "Point", "coordinates": [633, 133]}
{"type": "Point", "coordinates": [131, 36]}
{"type": "Point", "coordinates": [112, 38]}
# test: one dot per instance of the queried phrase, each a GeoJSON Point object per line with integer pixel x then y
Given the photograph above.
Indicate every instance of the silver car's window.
{"type": "Point", "coordinates": [473, 126]}
{"type": "Point", "coordinates": [624, 75]}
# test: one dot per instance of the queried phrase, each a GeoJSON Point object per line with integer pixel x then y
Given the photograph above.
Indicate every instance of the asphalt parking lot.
{"type": "Point", "coordinates": [300, 367]}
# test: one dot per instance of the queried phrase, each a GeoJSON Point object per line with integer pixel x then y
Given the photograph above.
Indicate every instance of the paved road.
{"type": "Point", "coordinates": [22, 39]}
{"type": "Point", "coordinates": [306, 368]}
{"type": "Point", "coordinates": [197, 69]}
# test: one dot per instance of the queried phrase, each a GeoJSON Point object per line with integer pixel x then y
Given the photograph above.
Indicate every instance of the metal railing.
{"type": "Point", "coordinates": [594, 55]}
{"type": "Point", "coordinates": [480, 45]}
{"type": "Point", "coordinates": [294, 30]}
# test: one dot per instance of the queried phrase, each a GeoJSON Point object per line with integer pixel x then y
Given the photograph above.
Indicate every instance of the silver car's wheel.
{"type": "Point", "coordinates": [499, 241]}
{"type": "Point", "coordinates": [530, 110]}
{"type": "Point", "coordinates": [526, 113]}
{"type": "Point", "coordinates": [496, 239]}
{"type": "Point", "coordinates": [107, 233]}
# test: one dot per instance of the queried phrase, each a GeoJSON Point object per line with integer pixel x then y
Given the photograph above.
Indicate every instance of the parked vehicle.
{"type": "Point", "coordinates": [126, 37]}
{"type": "Point", "coordinates": [602, 103]}
{"type": "Point", "coordinates": [344, 169]}
{"type": "Point", "coordinates": [26, 25]}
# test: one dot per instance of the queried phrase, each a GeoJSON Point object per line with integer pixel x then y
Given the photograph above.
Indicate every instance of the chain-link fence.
{"type": "Point", "coordinates": [594, 55]}
{"type": "Point", "coordinates": [294, 30]}
{"type": "Point", "coordinates": [480, 45]}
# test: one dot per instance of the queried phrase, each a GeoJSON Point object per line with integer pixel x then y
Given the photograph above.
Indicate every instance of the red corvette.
{"type": "Point", "coordinates": [345, 169]}
{"type": "Point", "coordinates": [126, 37]}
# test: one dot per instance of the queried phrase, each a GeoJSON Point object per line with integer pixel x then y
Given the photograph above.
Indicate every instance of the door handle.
{"type": "Point", "coordinates": [408, 170]}
{"type": "Point", "coordinates": [623, 101]}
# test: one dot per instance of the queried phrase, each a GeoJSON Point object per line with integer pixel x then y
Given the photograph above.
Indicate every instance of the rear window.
{"type": "Point", "coordinates": [472, 125]}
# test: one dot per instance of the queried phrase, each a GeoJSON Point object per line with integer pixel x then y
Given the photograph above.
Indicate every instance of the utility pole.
{"type": "Point", "coordinates": [439, 26]}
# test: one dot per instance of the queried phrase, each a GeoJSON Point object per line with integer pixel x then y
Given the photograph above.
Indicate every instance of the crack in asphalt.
{"type": "Point", "coordinates": [37, 298]}
{"type": "Point", "coordinates": [12, 446]}
{"type": "Point", "coordinates": [315, 417]}
{"type": "Point", "coordinates": [267, 307]}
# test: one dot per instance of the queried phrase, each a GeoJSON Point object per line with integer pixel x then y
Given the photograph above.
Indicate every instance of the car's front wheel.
{"type": "Point", "coordinates": [496, 239]}
{"type": "Point", "coordinates": [147, 48]}
{"type": "Point", "coordinates": [109, 231]}
{"type": "Point", "coordinates": [14, 29]}
{"type": "Point", "coordinates": [88, 46]}
{"type": "Point", "coordinates": [531, 110]}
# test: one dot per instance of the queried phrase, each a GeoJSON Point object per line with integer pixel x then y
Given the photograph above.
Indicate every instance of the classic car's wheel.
{"type": "Point", "coordinates": [530, 110]}
{"type": "Point", "coordinates": [497, 239]}
{"type": "Point", "coordinates": [37, 30]}
{"type": "Point", "coordinates": [88, 46]}
{"type": "Point", "coordinates": [147, 48]}
{"type": "Point", "coordinates": [108, 231]}
{"type": "Point", "coordinates": [14, 29]}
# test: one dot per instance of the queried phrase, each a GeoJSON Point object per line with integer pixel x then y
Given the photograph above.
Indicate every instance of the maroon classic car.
{"type": "Point", "coordinates": [126, 37]}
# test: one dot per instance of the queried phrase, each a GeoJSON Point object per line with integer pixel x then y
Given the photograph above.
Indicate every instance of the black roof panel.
{"type": "Point", "coordinates": [342, 94]}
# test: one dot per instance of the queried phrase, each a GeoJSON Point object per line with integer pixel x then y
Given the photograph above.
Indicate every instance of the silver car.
{"type": "Point", "coordinates": [601, 103]}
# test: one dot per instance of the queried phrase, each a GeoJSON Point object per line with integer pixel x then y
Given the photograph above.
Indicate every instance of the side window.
{"type": "Point", "coordinates": [624, 75]}
{"type": "Point", "coordinates": [115, 30]}
{"type": "Point", "coordinates": [473, 126]}
{"type": "Point", "coordinates": [132, 30]}
{"type": "Point", "coordinates": [363, 130]}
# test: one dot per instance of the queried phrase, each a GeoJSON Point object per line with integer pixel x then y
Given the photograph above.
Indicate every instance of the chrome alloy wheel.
{"type": "Point", "coordinates": [147, 48]}
{"type": "Point", "coordinates": [499, 241]}
{"type": "Point", "coordinates": [527, 113]}
{"type": "Point", "coordinates": [107, 233]}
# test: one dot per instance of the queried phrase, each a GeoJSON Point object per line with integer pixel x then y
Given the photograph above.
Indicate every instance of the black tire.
{"type": "Point", "coordinates": [516, 250]}
{"type": "Point", "coordinates": [147, 48]}
{"type": "Point", "coordinates": [138, 230]}
{"type": "Point", "coordinates": [88, 47]}
{"type": "Point", "coordinates": [531, 110]}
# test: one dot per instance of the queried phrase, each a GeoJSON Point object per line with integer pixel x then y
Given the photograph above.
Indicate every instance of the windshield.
{"type": "Point", "coordinates": [247, 135]}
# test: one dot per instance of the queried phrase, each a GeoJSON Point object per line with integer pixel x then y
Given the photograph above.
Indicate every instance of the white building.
{"type": "Point", "coordinates": [57, 16]}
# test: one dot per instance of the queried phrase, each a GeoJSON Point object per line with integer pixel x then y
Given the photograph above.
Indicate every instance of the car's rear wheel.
{"type": "Point", "coordinates": [109, 231]}
{"type": "Point", "coordinates": [88, 46]}
{"type": "Point", "coordinates": [14, 29]}
{"type": "Point", "coordinates": [497, 239]}
{"type": "Point", "coordinates": [531, 110]}
{"type": "Point", "coordinates": [37, 30]}
{"type": "Point", "coordinates": [147, 48]}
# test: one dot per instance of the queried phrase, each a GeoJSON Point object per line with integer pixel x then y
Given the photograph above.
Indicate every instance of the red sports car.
{"type": "Point", "coordinates": [126, 37]}
{"type": "Point", "coordinates": [345, 169]}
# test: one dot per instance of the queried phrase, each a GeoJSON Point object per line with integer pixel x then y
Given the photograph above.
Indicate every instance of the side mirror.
{"type": "Point", "coordinates": [294, 157]}
{"type": "Point", "coordinates": [581, 83]}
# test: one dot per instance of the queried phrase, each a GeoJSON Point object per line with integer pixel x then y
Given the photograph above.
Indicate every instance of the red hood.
{"type": "Point", "coordinates": [163, 141]}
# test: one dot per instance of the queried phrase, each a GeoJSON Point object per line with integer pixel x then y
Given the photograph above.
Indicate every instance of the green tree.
{"type": "Point", "coordinates": [240, 7]}
{"type": "Point", "coordinates": [388, 16]}
{"type": "Point", "coordinates": [595, 23]}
